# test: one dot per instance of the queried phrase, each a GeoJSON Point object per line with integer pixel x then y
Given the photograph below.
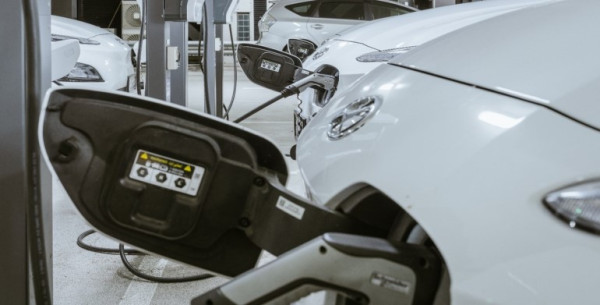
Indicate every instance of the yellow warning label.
{"type": "Point", "coordinates": [144, 156]}
{"type": "Point", "coordinates": [175, 165]}
{"type": "Point", "coordinates": [159, 160]}
{"type": "Point", "coordinates": [187, 169]}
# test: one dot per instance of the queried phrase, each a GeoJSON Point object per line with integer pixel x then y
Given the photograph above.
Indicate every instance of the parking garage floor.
{"type": "Point", "coordinates": [83, 277]}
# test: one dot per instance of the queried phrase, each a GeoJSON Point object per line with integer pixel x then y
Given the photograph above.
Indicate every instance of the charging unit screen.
{"type": "Point", "coordinates": [168, 173]}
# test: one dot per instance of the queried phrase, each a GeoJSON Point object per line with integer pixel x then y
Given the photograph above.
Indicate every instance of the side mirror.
{"type": "Point", "coordinates": [301, 48]}
{"type": "Point", "coordinates": [268, 67]}
{"type": "Point", "coordinates": [194, 188]}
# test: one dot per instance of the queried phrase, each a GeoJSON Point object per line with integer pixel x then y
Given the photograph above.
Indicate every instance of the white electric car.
{"type": "Point", "coordinates": [488, 138]}
{"type": "Point", "coordinates": [316, 20]}
{"type": "Point", "coordinates": [362, 48]}
{"type": "Point", "coordinates": [104, 62]}
{"type": "Point", "coordinates": [466, 177]}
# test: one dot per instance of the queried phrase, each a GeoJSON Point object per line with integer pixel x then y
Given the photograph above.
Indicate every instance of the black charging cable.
{"type": "Point", "coordinates": [321, 81]}
{"type": "Point", "coordinates": [123, 254]}
{"type": "Point", "coordinates": [82, 244]}
{"type": "Point", "coordinates": [138, 66]}
{"type": "Point", "coordinates": [205, 28]}
{"type": "Point", "coordinates": [235, 77]}
{"type": "Point", "coordinates": [164, 280]}
{"type": "Point", "coordinates": [259, 108]}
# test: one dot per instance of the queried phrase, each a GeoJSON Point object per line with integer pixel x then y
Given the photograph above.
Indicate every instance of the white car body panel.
{"type": "Point", "coordinates": [561, 75]}
{"type": "Point", "coordinates": [472, 165]}
{"type": "Point", "coordinates": [406, 31]}
{"type": "Point", "coordinates": [320, 29]}
{"type": "Point", "coordinates": [277, 37]}
{"type": "Point", "coordinates": [64, 56]}
{"type": "Point", "coordinates": [112, 58]}
{"type": "Point", "coordinates": [409, 30]}
{"type": "Point", "coordinates": [288, 25]}
{"type": "Point", "coordinates": [438, 169]}
{"type": "Point", "coordinates": [291, 25]}
{"type": "Point", "coordinates": [72, 27]}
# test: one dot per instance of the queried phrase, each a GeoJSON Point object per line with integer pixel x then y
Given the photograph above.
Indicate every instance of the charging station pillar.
{"type": "Point", "coordinates": [166, 32]}
{"type": "Point", "coordinates": [179, 38]}
{"type": "Point", "coordinates": [44, 9]}
{"type": "Point", "coordinates": [156, 37]}
{"type": "Point", "coordinates": [212, 44]}
{"type": "Point", "coordinates": [15, 280]}
{"type": "Point", "coordinates": [216, 15]}
{"type": "Point", "coordinates": [13, 259]}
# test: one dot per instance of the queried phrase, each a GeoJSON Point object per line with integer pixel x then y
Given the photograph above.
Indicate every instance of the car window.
{"type": "Point", "coordinates": [382, 10]}
{"type": "Point", "coordinates": [342, 10]}
{"type": "Point", "coordinates": [303, 9]}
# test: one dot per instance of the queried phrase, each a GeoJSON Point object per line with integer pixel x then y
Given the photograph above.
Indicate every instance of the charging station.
{"type": "Point", "coordinates": [166, 48]}
{"type": "Point", "coordinates": [24, 177]}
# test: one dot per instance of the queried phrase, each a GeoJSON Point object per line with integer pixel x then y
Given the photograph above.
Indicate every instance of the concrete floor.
{"type": "Point", "coordinates": [82, 277]}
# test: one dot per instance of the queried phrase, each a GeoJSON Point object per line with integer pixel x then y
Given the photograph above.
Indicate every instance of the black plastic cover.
{"type": "Point", "coordinates": [92, 139]}
{"type": "Point", "coordinates": [268, 67]}
{"type": "Point", "coordinates": [301, 47]}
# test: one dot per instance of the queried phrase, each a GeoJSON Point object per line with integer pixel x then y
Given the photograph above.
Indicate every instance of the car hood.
{"type": "Point", "coordinates": [556, 58]}
{"type": "Point", "coordinates": [409, 31]}
{"type": "Point", "coordinates": [75, 28]}
{"type": "Point", "coordinates": [416, 28]}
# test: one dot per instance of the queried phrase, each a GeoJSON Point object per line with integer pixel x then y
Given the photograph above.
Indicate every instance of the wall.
{"type": "Point", "coordinates": [244, 6]}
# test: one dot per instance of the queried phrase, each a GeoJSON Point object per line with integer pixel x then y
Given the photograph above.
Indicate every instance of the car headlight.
{"type": "Point", "coordinates": [265, 23]}
{"type": "Point", "coordinates": [82, 73]}
{"type": "Point", "coordinates": [383, 55]}
{"type": "Point", "coordinates": [579, 205]}
{"type": "Point", "coordinates": [56, 37]}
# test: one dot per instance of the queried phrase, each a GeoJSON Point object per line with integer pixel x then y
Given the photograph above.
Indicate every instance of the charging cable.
{"type": "Point", "coordinates": [316, 80]}
{"type": "Point", "coordinates": [123, 254]}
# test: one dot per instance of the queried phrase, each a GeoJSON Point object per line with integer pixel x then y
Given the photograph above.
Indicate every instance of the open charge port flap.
{"type": "Point", "coordinates": [97, 143]}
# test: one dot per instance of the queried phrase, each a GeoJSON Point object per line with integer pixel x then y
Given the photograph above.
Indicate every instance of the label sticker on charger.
{"type": "Point", "coordinates": [290, 208]}
{"type": "Point", "coordinates": [165, 172]}
{"type": "Point", "coordinates": [269, 65]}
{"type": "Point", "coordinates": [390, 282]}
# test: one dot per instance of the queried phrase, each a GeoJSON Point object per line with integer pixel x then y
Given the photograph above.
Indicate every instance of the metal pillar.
{"type": "Point", "coordinates": [13, 259]}
{"type": "Point", "coordinates": [216, 15]}
{"type": "Point", "coordinates": [178, 85]}
{"type": "Point", "coordinates": [13, 230]}
{"type": "Point", "coordinates": [210, 71]}
{"type": "Point", "coordinates": [167, 85]}
{"type": "Point", "coordinates": [44, 9]}
{"type": "Point", "coordinates": [156, 56]}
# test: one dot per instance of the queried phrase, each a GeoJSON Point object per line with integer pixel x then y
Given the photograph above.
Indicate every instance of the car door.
{"type": "Point", "coordinates": [333, 16]}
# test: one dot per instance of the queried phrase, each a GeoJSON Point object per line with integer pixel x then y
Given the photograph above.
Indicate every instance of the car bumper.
{"type": "Point", "coordinates": [272, 41]}
{"type": "Point", "coordinates": [310, 104]}
{"type": "Point", "coordinates": [111, 59]}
